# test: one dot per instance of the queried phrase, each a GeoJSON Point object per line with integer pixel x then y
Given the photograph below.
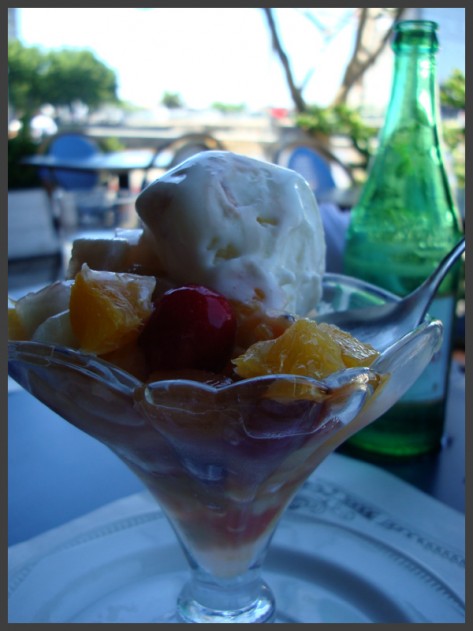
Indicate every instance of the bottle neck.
{"type": "Point", "coordinates": [414, 102]}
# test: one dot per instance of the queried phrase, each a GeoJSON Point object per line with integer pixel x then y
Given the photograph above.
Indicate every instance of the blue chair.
{"type": "Point", "coordinates": [93, 207]}
{"type": "Point", "coordinates": [71, 145]}
{"type": "Point", "coordinates": [314, 168]}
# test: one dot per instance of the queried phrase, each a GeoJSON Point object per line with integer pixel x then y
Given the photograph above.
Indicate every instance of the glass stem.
{"type": "Point", "coordinates": [242, 599]}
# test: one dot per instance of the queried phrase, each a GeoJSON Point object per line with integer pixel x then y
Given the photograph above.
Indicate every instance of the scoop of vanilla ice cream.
{"type": "Point", "coordinates": [248, 229]}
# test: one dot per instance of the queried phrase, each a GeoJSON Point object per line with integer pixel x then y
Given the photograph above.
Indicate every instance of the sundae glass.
{"type": "Point", "coordinates": [224, 461]}
{"type": "Point", "coordinates": [222, 456]}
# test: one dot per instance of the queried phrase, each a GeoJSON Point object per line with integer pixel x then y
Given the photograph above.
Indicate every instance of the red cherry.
{"type": "Point", "coordinates": [191, 327]}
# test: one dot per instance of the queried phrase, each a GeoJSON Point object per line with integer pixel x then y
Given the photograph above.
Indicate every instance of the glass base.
{"type": "Point", "coordinates": [260, 608]}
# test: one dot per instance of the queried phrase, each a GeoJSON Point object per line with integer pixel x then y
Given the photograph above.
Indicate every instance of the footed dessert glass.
{"type": "Point", "coordinates": [224, 462]}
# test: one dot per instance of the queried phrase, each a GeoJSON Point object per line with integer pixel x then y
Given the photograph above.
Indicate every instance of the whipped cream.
{"type": "Point", "coordinates": [248, 229]}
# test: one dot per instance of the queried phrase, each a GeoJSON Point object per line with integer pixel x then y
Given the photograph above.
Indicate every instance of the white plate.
{"type": "Point", "coordinates": [326, 564]}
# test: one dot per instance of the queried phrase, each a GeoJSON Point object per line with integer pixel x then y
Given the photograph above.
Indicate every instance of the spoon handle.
{"type": "Point", "coordinates": [431, 284]}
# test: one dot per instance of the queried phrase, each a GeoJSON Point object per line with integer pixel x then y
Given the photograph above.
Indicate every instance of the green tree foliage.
{"type": "Point", "coordinates": [452, 91]}
{"type": "Point", "coordinates": [25, 69]}
{"type": "Point", "coordinates": [172, 100]}
{"type": "Point", "coordinates": [452, 95]}
{"type": "Point", "coordinates": [77, 75]}
{"type": "Point", "coordinates": [58, 77]}
{"type": "Point", "coordinates": [228, 108]}
{"type": "Point", "coordinates": [340, 119]}
{"type": "Point", "coordinates": [20, 176]}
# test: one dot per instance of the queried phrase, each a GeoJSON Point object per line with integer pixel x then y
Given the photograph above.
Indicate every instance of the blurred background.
{"type": "Point", "coordinates": [169, 82]}
{"type": "Point", "coordinates": [253, 77]}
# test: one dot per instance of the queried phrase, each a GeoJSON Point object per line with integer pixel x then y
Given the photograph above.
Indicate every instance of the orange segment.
{"type": "Point", "coordinates": [108, 309]}
{"type": "Point", "coordinates": [305, 348]}
{"type": "Point", "coordinates": [255, 324]}
{"type": "Point", "coordinates": [354, 352]}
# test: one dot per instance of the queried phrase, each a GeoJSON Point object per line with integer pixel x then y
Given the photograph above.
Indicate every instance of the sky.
{"type": "Point", "coordinates": [205, 55]}
{"type": "Point", "coordinates": [209, 55]}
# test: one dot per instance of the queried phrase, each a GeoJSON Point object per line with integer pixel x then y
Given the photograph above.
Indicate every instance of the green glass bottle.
{"type": "Point", "coordinates": [403, 224]}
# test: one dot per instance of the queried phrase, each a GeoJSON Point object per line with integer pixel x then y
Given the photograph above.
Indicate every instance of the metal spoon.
{"type": "Point", "coordinates": [381, 325]}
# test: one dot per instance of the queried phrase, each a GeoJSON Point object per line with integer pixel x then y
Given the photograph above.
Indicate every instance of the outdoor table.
{"type": "Point", "coordinates": [120, 163]}
{"type": "Point", "coordinates": [168, 152]}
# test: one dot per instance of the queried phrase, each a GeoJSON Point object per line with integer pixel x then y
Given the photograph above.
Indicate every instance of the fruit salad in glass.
{"type": "Point", "coordinates": [221, 402]}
